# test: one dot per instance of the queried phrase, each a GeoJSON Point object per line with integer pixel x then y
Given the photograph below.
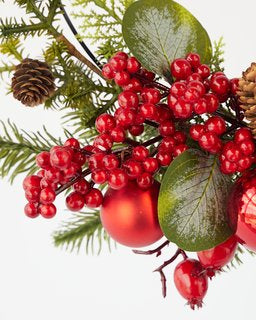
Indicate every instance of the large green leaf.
{"type": "Point", "coordinates": [158, 31]}
{"type": "Point", "coordinates": [192, 202]}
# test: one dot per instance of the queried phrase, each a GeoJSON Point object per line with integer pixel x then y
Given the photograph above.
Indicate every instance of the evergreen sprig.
{"type": "Point", "coordinates": [82, 228]}
{"type": "Point", "coordinates": [18, 149]}
{"type": "Point", "coordinates": [218, 56]}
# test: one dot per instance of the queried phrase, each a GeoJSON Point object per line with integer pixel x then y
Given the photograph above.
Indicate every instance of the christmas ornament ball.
{"type": "Point", "coordinates": [129, 215]}
{"type": "Point", "coordinates": [242, 209]}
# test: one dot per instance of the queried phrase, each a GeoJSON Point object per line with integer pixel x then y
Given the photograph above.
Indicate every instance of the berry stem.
{"type": "Point", "coordinates": [153, 83]}
{"type": "Point", "coordinates": [152, 141]}
{"type": "Point", "coordinates": [153, 251]}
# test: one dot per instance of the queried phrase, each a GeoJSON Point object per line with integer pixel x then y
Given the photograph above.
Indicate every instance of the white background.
{"type": "Point", "coordinates": [38, 281]}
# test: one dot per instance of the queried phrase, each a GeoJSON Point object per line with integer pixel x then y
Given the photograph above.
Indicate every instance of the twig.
{"type": "Point", "coordinates": [153, 83]}
{"type": "Point", "coordinates": [156, 250]}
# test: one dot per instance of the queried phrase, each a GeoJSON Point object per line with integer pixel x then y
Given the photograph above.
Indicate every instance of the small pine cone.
{"type": "Point", "coordinates": [32, 82]}
{"type": "Point", "coordinates": [247, 96]}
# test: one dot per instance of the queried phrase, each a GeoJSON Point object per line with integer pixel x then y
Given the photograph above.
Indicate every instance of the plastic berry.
{"type": "Point", "coordinates": [99, 176]}
{"type": "Point", "coordinates": [166, 128]}
{"type": "Point", "coordinates": [234, 85]}
{"type": "Point", "coordinates": [117, 179]}
{"type": "Point", "coordinates": [47, 211]}
{"type": "Point", "coordinates": [107, 72]}
{"type": "Point", "coordinates": [31, 210]}
{"type": "Point", "coordinates": [82, 186]}
{"type": "Point", "coordinates": [181, 69]}
{"type": "Point", "coordinates": [179, 149]}
{"type": "Point", "coordinates": [193, 59]}
{"type": "Point", "coordinates": [94, 198]}
{"type": "Point", "coordinates": [140, 153]}
{"type": "Point", "coordinates": [110, 162]}
{"type": "Point", "coordinates": [198, 86]}
{"type": "Point", "coordinates": [242, 134]}
{"type": "Point", "coordinates": [103, 142]}
{"type": "Point", "coordinates": [133, 168]}
{"type": "Point", "coordinates": [151, 95]}
{"type": "Point", "coordinates": [148, 110]}
{"type": "Point", "coordinates": [182, 109]}
{"type": "Point", "coordinates": [212, 102]}
{"type": "Point", "coordinates": [43, 160]}
{"type": "Point", "coordinates": [32, 181]}
{"type": "Point", "coordinates": [136, 130]}
{"type": "Point", "coordinates": [145, 180]}
{"type": "Point", "coordinates": [171, 100]}
{"type": "Point", "coordinates": [191, 281]}
{"type": "Point", "coordinates": [128, 99]}
{"type": "Point", "coordinates": [247, 147]}
{"type": "Point", "coordinates": [210, 142]}
{"type": "Point", "coordinates": [122, 55]}
{"type": "Point", "coordinates": [47, 196]}
{"type": "Point", "coordinates": [231, 152]}
{"type": "Point", "coordinates": [133, 85]}
{"type": "Point", "coordinates": [72, 143]}
{"type": "Point", "coordinates": [117, 134]}
{"type": "Point", "coordinates": [126, 117]}
{"type": "Point", "coordinates": [180, 137]}
{"type": "Point", "coordinates": [216, 125]}
{"type": "Point", "coordinates": [75, 201]}
{"type": "Point", "coordinates": [164, 113]}
{"type": "Point", "coordinates": [228, 167]}
{"type": "Point", "coordinates": [167, 144]}
{"type": "Point", "coordinates": [200, 107]}
{"type": "Point", "coordinates": [117, 63]}
{"type": "Point", "coordinates": [79, 158]}
{"type": "Point", "coordinates": [133, 65]}
{"type": "Point", "coordinates": [95, 161]}
{"type": "Point", "coordinates": [122, 78]}
{"type": "Point", "coordinates": [244, 163]}
{"type": "Point", "coordinates": [178, 89]}
{"type": "Point", "coordinates": [32, 195]}
{"type": "Point", "coordinates": [60, 158]}
{"type": "Point", "coordinates": [203, 70]}
{"type": "Point", "coordinates": [164, 158]}
{"type": "Point", "coordinates": [147, 74]}
{"type": "Point", "coordinates": [150, 165]}
{"type": "Point", "coordinates": [44, 183]}
{"type": "Point", "coordinates": [71, 171]}
{"type": "Point", "coordinates": [220, 85]}
{"type": "Point", "coordinates": [105, 122]}
{"type": "Point", "coordinates": [191, 95]}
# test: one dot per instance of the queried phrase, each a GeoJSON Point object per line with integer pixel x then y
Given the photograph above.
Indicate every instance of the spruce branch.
{"type": "Point", "coordinates": [82, 228]}
{"type": "Point", "coordinates": [218, 56]}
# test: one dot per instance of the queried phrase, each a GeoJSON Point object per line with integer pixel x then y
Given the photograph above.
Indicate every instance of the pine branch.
{"type": "Point", "coordinates": [82, 228]}
{"type": "Point", "coordinates": [18, 149]}
{"type": "Point", "coordinates": [237, 260]}
{"type": "Point", "coordinates": [218, 56]}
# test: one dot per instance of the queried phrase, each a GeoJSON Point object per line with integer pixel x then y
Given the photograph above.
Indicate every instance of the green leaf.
{"type": "Point", "coordinates": [192, 202]}
{"type": "Point", "coordinates": [159, 31]}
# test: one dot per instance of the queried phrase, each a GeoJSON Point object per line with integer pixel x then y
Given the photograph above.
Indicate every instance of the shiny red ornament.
{"type": "Point", "coordinates": [242, 209]}
{"type": "Point", "coordinates": [129, 215]}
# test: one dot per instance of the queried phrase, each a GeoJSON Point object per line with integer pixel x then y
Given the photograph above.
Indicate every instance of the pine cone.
{"type": "Point", "coordinates": [247, 96]}
{"type": "Point", "coordinates": [32, 82]}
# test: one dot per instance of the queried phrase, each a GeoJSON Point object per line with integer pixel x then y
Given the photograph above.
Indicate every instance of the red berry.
{"type": "Point", "coordinates": [171, 100]}
{"type": "Point", "coordinates": [41, 173]}
{"type": "Point", "coordinates": [44, 183]}
{"type": "Point", "coordinates": [96, 161]}
{"type": "Point", "coordinates": [126, 117]}
{"type": "Point", "coordinates": [166, 128]}
{"type": "Point", "coordinates": [31, 182]}
{"type": "Point", "coordinates": [134, 85]}
{"type": "Point", "coordinates": [133, 65]}
{"type": "Point", "coordinates": [216, 258]}
{"type": "Point", "coordinates": [104, 123]}
{"type": "Point", "coordinates": [99, 176]}
{"type": "Point", "coordinates": [132, 168]}
{"type": "Point", "coordinates": [179, 149]}
{"type": "Point", "coordinates": [103, 142]}
{"type": "Point", "coordinates": [194, 76]}
{"type": "Point", "coordinates": [107, 72]}
{"type": "Point", "coordinates": [79, 158]}
{"type": "Point", "coordinates": [136, 130]}
{"type": "Point", "coordinates": [220, 85]}
{"type": "Point", "coordinates": [145, 180]}
{"type": "Point", "coordinates": [148, 111]}
{"type": "Point", "coordinates": [47, 211]}
{"type": "Point", "coordinates": [75, 201]}
{"type": "Point", "coordinates": [234, 85]}
{"type": "Point", "coordinates": [193, 59]}
{"type": "Point", "coordinates": [164, 113]}
{"type": "Point", "coordinates": [191, 281]}
{"type": "Point", "coordinates": [150, 165]}
{"type": "Point", "coordinates": [72, 143]}
{"type": "Point", "coordinates": [121, 54]}
{"type": "Point", "coordinates": [178, 89]}
{"type": "Point", "coordinates": [216, 125]}
{"type": "Point", "coordinates": [52, 174]}
{"type": "Point", "coordinates": [198, 86]}
{"type": "Point", "coordinates": [47, 196]}
{"type": "Point", "coordinates": [244, 163]}
{"type": "Point", "coordinates": [147, 74]}
{"type": "Point", "coordinates": [200, 106]}
{"type": "Point", "coordinates": [231, 152]}
{"type": "Point", "coordinates": [82, 186]}
{"type": "Point", "coordinates": [117, 179]}
{"type": "Point", "coordinates": [181, 69]}
{"type": "Point", "coordinates": [151, 95]}
{"type": "Point", "coordinates": [122, 78]}
{"type": "Point", "coordinates": [196, 131]}
{"type": "Point", "coordinates": [140, 153]}
{"type": "Point", "coordinates": [32, 195]}
{"type": "Point", "coordinates": [247, 147]}
{"type": "Point", "coordinates": [228, 167]}
{"type": "Point", "coordinates": [110, 162]}
{"type": "Point", "coordinates": [203, 70]}
{"type": "Point", "coordinates": [182, 109]}
{"type": "Point", "coordinates": [128, 99]}
{"type": "Point", "coordinates": [210, 142]}
{"type": "Point", "coordinates": [71, 171]}
{"type": "Point", "coordinates": [212, 102]}
{"type": "Point", "coordinates": [43, 160]}
{"type": "Point", "coordinates": [216, 74]}
{"type": "Point", "coordinates": [31, 211]}
{"type": "Point", "coordinates": [179, 137]}
{"type": "Point", "coordinates": [164, 158]}
{"type": "Point", "coordinates": [60, 158]}
{"type": "Point", "coordinates": [167, 144]}
{"type": "Point", "coordinates": [242, 134]}
{"type": "Point", "coordinates": [117, 63]}
{"type": "Point", "coordinates": [93, 198]}
{"type": "Point", "coordinates": [117, 134]}
{"type": "Point", "coordinates": [191, 95]}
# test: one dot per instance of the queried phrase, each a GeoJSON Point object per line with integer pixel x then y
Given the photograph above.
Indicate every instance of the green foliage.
{"type": "Point", "coordinates": [218, 56]}
{"type": "Point", "coordinates": [237, 260]}
{"type": "Point", "coordinates": [82, 228]}
{"type": "Point", "coordinates": [18, 149]}
{"type": "Point", "coordinates": [103, 27]}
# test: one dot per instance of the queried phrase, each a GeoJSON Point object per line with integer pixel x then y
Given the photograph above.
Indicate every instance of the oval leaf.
{"type": "Point", "coordinates": [157, 32]}
{"type": "Point", "coordinates": [192, 202]}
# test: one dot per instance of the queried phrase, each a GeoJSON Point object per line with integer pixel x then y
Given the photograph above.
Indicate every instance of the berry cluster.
{"type": "Point", "coordinates": [195, 89]}
{"type": "Point", "coordinates": [238, 155]}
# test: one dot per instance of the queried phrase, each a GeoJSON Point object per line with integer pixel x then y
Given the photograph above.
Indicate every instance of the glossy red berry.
{"type": "Point", "coordinates": [178, 89]}
{"type": "Point", "coordinates": [72, 143]}
{"type": "Point", "coordinates": [193, 59]}
{"type": "Point", "coordinates": [191, 281]}
{"type": "Point", "coordinates": [31, 210]}
{"type": "Point", "coordinates": [43, 160]}
{"type": "Point", "coordinates": [117, 179]}
{"type": "Point", "coordinates": [220, 85]}
{"type": "Point", "coordinates": [133, 168]}
{"type": "Point", "coordinates": [79, 158]}
{"type": "Point", "coordinates": [210, 142]}
{"type": "Point", "coordinates": [145, 180]}
{"type": "Point", "coordinates": [191, 95]}
{"type": "Point", "coordinates": [167, 144]}
{"type": "Point", "coordinates": [122, 78]}
{"type": "Point", "coordinates": [60, 158]}
{"type": "Point", "coordinates": [32, 181]}
{"type": "Point", "coordinates": [140, 153]}
{"type": "Point", "coordinates": [128, 99]}
{"type": "Point", "coordinates": [166, 128]}
{"type": "Point", "coordinates": [216, 258]}
{"type": "Point", "coordinates": [110, 162]}
{"type": "Point", "coordinates": [216, 125]}
{"type": "Point", "coordinates": [181, 69]}
{"type": "Point", "coordinates": [82, 186]}
{"type": "Point", "coordinates": [103, 142]}
{"type": "Point", "coordinates": [212, 102]}
{"type": "Point", "coordinates": [117, 63]}
{"type": "Point", "coordinates": [117, 134]}
{"type": "Point", "coordinates": [44, 183]}
{"type": "Point", "coordinates": [94, 198]}
{"type": "Point", "coordinates": [126, 117]}
{"type": "Point", "coordinates": [47, 211]}
{"type": "Point", "coordinates": [231, 152]}
{"type": "Point", "coordinates": [180, 137]}
{"type": "Point", "coordinates": [179, 149]}
{"type": "Point", "coordinates": [75, 201]}
{"type": "Point", "coordinates": [147, 74]}
{"type": "Point", "coordinates": [198, 85]}
{"type": "Point", "coordinates": [133, 85]}
{"type": "Point", "coordinates": [163, 158]}
{"type": "Point", "coordinates": [32, 195]}
{"type": "Point", "coordinates": [71, 171]}
{"type": "Point", "coordinates": [122, 55]}
{"type": "Point", "coordinates": [234, 85]}
{"type": "Point", "coordinates": [228, 167]}
{"type": "Point", "coordinates": [99, 176]}
{"type": "Point", "coordinates": [244, 163]}
{"type": "Point", "coordinates": [104, 123]}
{"type": "Point", "coordinates": [247, 147]}
{"type": "Point", "coordinates": [200, 107]}
{"type": "Point", "coordinates": [95, 161]}
{"type": "Point", "coordinates": [136, 130]}
{"type": "Point", "coordinates": [150, 165]}
{"type": "Point", "coordinates": [148, 111]}
{"type": "Point", "coordinates": [47, 196]}
{"type": "Point", "coordinates": [151, 95]}
{"type": "Point", "coordinates": [107, 72]}
{"type": "Point", "coordinates": [133, 65]}
{"type": "Point", "coordinates": [242, 134]}
{"type": "Point", "coordinates": [203, 70]}
{"type": "Point", "coordinates": [182, 109]}
{"type": "Point", "coordinates": [164, 113]}
{"type": "Point", "coordinates": [196, 131]}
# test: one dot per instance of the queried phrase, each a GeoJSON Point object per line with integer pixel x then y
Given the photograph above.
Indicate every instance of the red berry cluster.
{"type": "Point", "coordinates": [238, 155]}
{"type": "Point", "coordinates": [195, 89]}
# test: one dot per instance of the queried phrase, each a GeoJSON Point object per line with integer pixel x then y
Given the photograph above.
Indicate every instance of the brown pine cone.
{"type": "Point", "coordinates": [32, 82]}
{"type": "Point", "coordinates": [247, 96]}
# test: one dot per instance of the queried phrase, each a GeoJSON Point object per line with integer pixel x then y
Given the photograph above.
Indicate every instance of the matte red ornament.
{"type": "Point", "coordinates": [129, 215]}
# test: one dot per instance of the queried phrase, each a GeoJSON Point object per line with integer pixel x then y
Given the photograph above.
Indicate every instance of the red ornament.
{"type": "Point", "coordinates": [242, 209]}
{"type": "Point", "coordinates": [129, 215]}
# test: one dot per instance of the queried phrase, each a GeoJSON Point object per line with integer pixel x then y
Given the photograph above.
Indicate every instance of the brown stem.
{"type": "Point", "coordinates": [156, 250]}
{"type": "Point", "coordinates": [151, 123]}
{"type": "Point", "coordinates": [153, 83]}
{"type": "Point", "coordinates": [74, 52]}
{"type": "Point", "coordinates": [152, 141]}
